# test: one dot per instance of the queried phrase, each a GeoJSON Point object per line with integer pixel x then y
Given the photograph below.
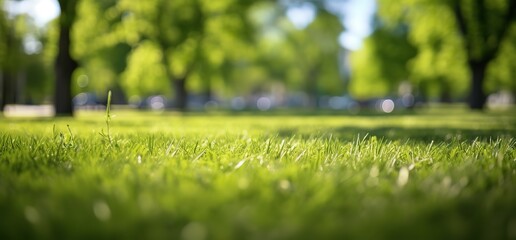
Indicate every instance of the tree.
{"type": "Point", "coordinates": [65, 64]}
{"type": "Point", "coordinates": [304, 59]}
{"type": "Point", "coordinates": [23, 76]}
{"type": "Point", "coordinates": [181, 40]}
{"type": "Point", "coordinates": [381, 62]}
{"type": "Point", "coordinates": [9, 49]}
{"type": "Point", "coordinates": [483, 26]}
{"type": "Point", "coordinates": [318, 51]}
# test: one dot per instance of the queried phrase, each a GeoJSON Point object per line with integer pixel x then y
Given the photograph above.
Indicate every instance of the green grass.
{"type": "Point", "coordinates": [431, 174]}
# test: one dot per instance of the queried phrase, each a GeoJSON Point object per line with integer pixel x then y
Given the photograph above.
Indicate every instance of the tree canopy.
{"type": "Point", "coordinates": [215, 50]}
{"type": "Point", "coordinates": [455, 35]}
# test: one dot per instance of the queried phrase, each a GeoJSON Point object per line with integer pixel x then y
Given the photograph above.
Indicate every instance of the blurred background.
{"type": "Point", "coordinates": [196, 55]}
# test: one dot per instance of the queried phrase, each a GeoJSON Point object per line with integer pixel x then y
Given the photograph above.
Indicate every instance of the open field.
{"type": "Point", "coordinates": [430, 174]}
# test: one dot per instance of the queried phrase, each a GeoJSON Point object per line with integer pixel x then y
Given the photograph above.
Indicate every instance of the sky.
{"type": "Point", "coordinates": [41, 10]}
{"type": "Point", "coordinates": [356, 16]}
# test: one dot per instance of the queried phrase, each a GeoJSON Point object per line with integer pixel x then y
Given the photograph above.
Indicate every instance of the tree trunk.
{"type": "Point", "coordinates": [20, 87]}
{"type": "Point", "coordinates": [64, 65]}
{"type": "Point", "coordinates": [208, 93]}
{"type": "Point", "coordinates": [3, 83]}
{"type": "Point", "coordinates": [178, 84]}
{"type": "Point", "coordinates": [2, 98]}
{"type": "Point", "coordinates": [7, 71]}
{"type": "Point", "coordinates": [311, 88]}
{"type": "Point", "coordinates": [477, 98]}
{"type": "Point", "coordinates": [2, 104]}
{"type": "Point", "coordinates": [8, 90]}
{"type": "Point", "coordinates": [181, 102]}
{"type": "Point", "coordinates": [445, 96]}
{"type": "Point", "coordinates": [118, 94]}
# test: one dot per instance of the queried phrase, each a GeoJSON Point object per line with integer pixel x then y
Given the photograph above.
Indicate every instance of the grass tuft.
{"type": "Point", "coordinates": [107, 135]}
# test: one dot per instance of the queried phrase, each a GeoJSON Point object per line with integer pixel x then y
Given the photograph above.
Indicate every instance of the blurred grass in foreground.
{"type": "Point", "coordinates": [432, 174]}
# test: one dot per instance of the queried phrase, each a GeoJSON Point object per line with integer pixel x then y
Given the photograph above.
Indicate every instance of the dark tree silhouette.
{"type": "Point", "coordinates": [9, 49]}
{"type": "Point", "coordinates": [65, 65]}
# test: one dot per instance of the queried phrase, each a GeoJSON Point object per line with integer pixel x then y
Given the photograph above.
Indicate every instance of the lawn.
{"type": "Point", "coordinates": [428, 174]}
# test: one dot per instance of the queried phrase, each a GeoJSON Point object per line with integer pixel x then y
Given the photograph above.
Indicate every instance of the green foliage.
{"type": "Point", "coordinates": [441, 60]}
{"type": "Point", "coordinates": [3, 34]}
{"type": "Point", "coordinates": [145, 73]}
{"type": "Point", "coordinates": [196, 42]}
{"type": "Point", "coordinates": [11, 47]}
{"type": "Point", "coordinates": [382, 62]}
{"type": "Point", "coordinates": [100, 45]}
{"type": "Point", "coordinates": [415, 44]}
{"type": "Point", "coordinates": [426, 175]}
{"type": "Point", "coordinates": [176, 35]}
{"type": "Point", "coordinates": [38, 79]}
{"type": "Point", "coordinates": [208, 43]}
{"type": "Point", "coordinates": [50, 43]}
{"type": "Point", "coordinates": [501, 74]}
{"type": "Point", "coordinates": [301, 59]}
{"type": "Point", "coordinates": [451, 35]}
{"type": "Point", "coordinates": [26, 69]}
{"type": "Point", "coordinates": [217, 47]}
{"type": "Point", "coordinates": [318, 50]}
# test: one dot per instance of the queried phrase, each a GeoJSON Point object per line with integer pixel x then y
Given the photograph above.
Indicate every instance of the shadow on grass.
{"type": "Point", "coordinates": [425, 135]}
